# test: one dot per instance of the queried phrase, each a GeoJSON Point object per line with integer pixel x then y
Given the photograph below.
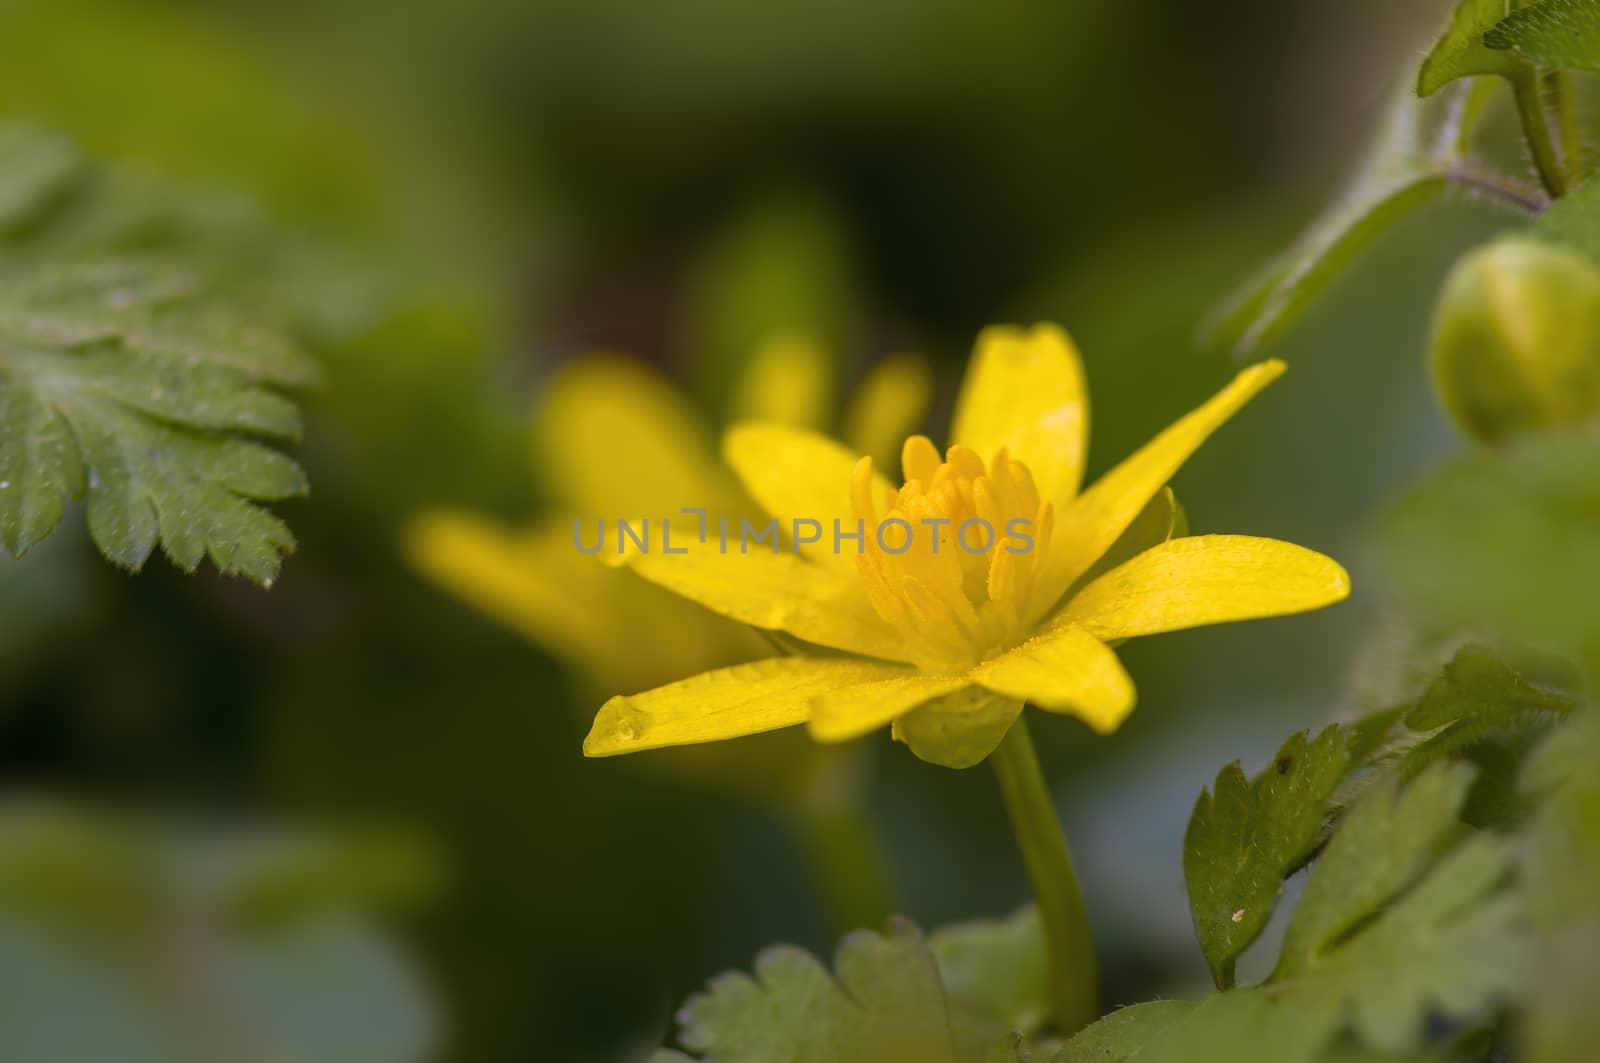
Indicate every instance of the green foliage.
{"type": "Point", "coordinates": [996, 972]}
{"type": "Point", "coordinates": [1411, 920]}
{"type": "Point", "coordinates": [1417, 153]}
{"type": "Point", "coordinates": [1558, 33]}
{"type": "Point", "coordinates": [1463, 50]}
{"type": "Point", "coordinates": [1478, 688]}
{"type": "Point", "coordinates": [1246, 836]}
{"type": "Point", "coordinates": [1407, 915]}
{"type": "Point", "coordinates": [1563, 867]}
{"type": "Point", "coordinates": [1574, 220]}
{"type": "Point", "coordinates": [126, 379]}
{"type": "Point", "coordinates": [120, 940]}
{"type": "Point", "coordinates": [885, 1004]}
{"type": "Point", "coordinates": [1529, 566]}
{"type": "Point", "coordinates": [1397, 923]}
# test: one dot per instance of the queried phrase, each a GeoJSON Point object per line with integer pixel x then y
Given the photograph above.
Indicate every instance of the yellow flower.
{"type": "Point", "coordinates": [612, 438]}
{"type": "Point", "coordinates": [943, 639]}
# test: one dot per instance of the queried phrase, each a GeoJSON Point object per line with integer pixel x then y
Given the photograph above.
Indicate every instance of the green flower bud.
{"type": "Point", "coordinates": [1516, 339]}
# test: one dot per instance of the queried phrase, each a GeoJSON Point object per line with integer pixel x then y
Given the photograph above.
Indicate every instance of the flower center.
{"type": "Point", "coordinates": [952, 558]}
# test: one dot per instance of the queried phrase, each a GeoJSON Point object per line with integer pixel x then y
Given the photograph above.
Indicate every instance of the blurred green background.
{"type": "Point", "coordinates": [513, 184]}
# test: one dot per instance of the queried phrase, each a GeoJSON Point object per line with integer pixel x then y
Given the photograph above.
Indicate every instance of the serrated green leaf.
{"type": "Point", "coordinates": [1452, 946]}
{"type": "Point", "coordinates": [1238, 1026]}
{"type": "Point", "coordinates": [1119, 1036]}
{"type": "Point", "coordinates": [1477, 685]}
{"type": "Point", "coordinates": [886, 1006]}
{"type": "Point", "coordinates": [1245, 836]}
{"type": "Point", "coordinates": [1382, 846]}
{"type": "Point", "coordinates": [1463, 51]}
{"type": "Point", "coordinates": [1562, 869]}
{"type": "Point", "coordinates": [1564, 34]}
{"type": "Point", "coordinates": [113, 386]}
{"type": "Point", "coordinates": [1410, 162]}
{"type": "Point", "coordinates": [996, 970]}
{"type": "Point", "coordinates": [1369, 735]}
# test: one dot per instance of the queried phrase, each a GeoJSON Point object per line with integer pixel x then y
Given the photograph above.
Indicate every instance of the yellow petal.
{"type": "Point", "coordinates": [775, 591]}
{"type": "Point", "coordinates": [730, 702]}
{"type": "Point", "coordinates": [1086, 529]}
{"type": "Point", "coordinates": [887, 406]}
{"type": "Point", "coordinates": [535, 583]}
{"type": "Point", "coordinates": [615, 439]}
{"type": "Point", "coordinates": [794, 474]}
{"type": "Point", "coordinates": [1064, 670]}
{"type": "Point", "coordinates": [788, 381]}
{"type": "Point", "coordinates": [522, 580]}
{"type": "Point", "coordinates": [1206, 579]}
{"type": "Point", "coordinates": [1025, 391]}
{"type": "Point", "coordinates": [850, 712]}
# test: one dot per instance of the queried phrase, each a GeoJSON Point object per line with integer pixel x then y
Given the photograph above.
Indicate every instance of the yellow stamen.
{"type": "Point", "coordinates": [958, 591]}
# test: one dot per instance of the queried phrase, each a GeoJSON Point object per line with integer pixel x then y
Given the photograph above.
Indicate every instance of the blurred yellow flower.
{"type": "Point", "coordinates": [612, 436]}
{"type": "Point", "coordinates": [944, 640]}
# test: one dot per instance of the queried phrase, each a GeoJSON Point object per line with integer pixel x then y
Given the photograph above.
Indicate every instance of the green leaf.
{"type": "Point", "coordinates": [887, 1005]}
{"type": "Point", "coordinates": [1238, 1026]}
{"type": "Point", "coordinates": [1574, 220]}
{"type": "Point", "coordinates": [996, 971]}
{"type": "Point", "coordinates": [1463, 50]}
{"type": "Point", "coordinates": [1416, 153]}
{"type": "Point", "coordinates": [1452, 946]}
{"type": "Point", "coordinates": [1382, 846]}
{"type": "Point", "coordinates": [125, 380]}
{"type": "Point", "coordinates": [1120, 1035]}
{"type": "Point", "coordinates": [1477, 686]}
{"type": "Point", "coordinates": [1246, 836]}
{"type": "Point", "coordinates": [1400, 922]}
{"type": "Point", "coordinates": [1555, 33]}
{"type": "Point", "coordinates": [1562, 869]}
{"type": "Point", "coordinates": [1528, 568]}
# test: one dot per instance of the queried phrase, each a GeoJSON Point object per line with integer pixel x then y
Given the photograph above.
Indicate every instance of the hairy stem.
{"type": "Point", "coordinates": [1564, 101]}
{"type": "Point", "coordinates": [1515, 194]}
{"type": "Point", "coordinates": [1536, 131]}
{"type": "Point", "coordinates": [1074, 970]}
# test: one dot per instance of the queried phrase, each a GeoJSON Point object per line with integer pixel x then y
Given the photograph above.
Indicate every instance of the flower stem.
{"type": "Point", "coordinates": [1564, 102]}
{"type": "Point", "coordinates": [847, 866]}
{"type": "Point", "coordinates": [1074, 971]}
{"type": "Point", "coordinates": [1526, 90]}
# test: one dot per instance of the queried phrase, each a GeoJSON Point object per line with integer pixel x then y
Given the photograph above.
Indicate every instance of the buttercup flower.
{"type": "Point", "coordinates": [611, 437]}
{"type": "Point", "coordinates": [940, 628]}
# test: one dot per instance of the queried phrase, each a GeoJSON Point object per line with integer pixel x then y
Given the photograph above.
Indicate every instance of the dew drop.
{"type": "Point", "coordinates": [1238, 917]}
{"type": "Point", "coordinates": [4, 484]}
